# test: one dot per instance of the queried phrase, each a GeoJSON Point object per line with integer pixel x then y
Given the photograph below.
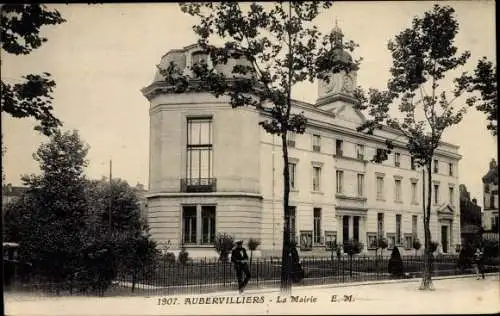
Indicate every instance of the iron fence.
{"type": "Point", "coordinates": [211, 275]}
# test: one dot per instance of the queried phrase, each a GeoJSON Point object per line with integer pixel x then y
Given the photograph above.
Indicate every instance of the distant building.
{"type": "Point", "coordinates": [214, 169]}
{"type": "Point", "coordinates": [470, 217]}
{"type": "Point", "coordinates": [141, 196]}
{"type": "Point", "coordinates": [490, 191]}
{"type": "Point", "coordinates": [10, 193]}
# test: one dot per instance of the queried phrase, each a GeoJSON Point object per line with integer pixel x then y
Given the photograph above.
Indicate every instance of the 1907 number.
{"type": "Point", "coordinates": [167, 301]}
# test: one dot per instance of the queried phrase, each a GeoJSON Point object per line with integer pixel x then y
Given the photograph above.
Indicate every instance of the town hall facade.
{"type": "Point", "coordinates": [214, 169]}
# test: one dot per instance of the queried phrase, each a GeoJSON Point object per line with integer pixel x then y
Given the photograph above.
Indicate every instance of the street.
{"type": "Point", "coordinates": [452, 295]}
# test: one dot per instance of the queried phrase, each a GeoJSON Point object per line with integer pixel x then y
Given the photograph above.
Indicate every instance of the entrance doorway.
{"type": "Point", "coordinates": [444, 238]}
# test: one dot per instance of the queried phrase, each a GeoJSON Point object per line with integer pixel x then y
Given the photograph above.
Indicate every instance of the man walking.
{"type": "Point", "coordinates": [478, 262]}
{"type": "Point", "coordinates": [240, 259]}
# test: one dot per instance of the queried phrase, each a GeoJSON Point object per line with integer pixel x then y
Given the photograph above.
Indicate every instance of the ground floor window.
{"type": "Point", "coordinates": [198, 224]}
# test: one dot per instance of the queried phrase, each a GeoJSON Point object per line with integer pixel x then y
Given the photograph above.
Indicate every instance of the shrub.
{"type": "Point", "coordinates": [183, 256]}
{"type": "Point", "coordinates": [353, 247]}
{"type": "Point", "coordinates": [169, 258]}
{"type": "Point", "coordinates": [433, 245]}
{"type": "Point", "coordinates": [417, 245]}
{"type": "Point", "coordinates": [395, 263]}
{"type": "Point", "coordinates": [253, 244]}
{"type": "Point", "coordinates": [223, 244]}
{"type": "Point", "coordinates": [490, 248]}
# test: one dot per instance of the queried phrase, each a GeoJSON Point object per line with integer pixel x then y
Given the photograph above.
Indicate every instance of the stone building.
{"type": "Point", "coordinates": [214, 169]}
{"type": "Point", "coordinates": [490, 202]}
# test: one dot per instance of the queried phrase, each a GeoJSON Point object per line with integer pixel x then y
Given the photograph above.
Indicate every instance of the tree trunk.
{"type": "Point", "coordinates": [427, 280]}
{"type": "Point", "coordinates": [286, 282]}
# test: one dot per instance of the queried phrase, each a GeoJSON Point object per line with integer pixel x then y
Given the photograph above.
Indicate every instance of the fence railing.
{"type": "Point", "coordinates": [209, 275]}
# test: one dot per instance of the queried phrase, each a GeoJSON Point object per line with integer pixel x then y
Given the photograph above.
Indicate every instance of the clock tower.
{"type": "Point", "coordinates": [339, 88]}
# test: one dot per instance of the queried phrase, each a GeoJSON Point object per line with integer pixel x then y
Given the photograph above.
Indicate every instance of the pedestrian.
{"type": "Point", "coordinates": [239, 258]}
{"type": "Point", "coordinates": [478, 262]}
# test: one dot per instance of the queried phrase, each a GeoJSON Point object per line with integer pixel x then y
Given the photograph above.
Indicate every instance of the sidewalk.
{"type": "Point", "coordinates": [451, 295]}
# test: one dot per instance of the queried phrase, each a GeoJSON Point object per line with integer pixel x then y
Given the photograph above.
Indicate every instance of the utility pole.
{"type": "Point", "coordinates": [110, 193]}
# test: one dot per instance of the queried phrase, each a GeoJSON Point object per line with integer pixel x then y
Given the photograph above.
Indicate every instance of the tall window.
{"type": "Point", "coordinates": [292, 169]}
{"type": "Point", "coordinates": [208, 224]}
{"type": "Point", "coordinates": [290, 140]}
{"type": "Point", "coordinates": [316, 178]}
{"type": "Point", "coordinates": [189, 224]}
{"type": "Point", "coordinates": [199, 150]}
{"type": "Point", "coordinates": [340, 181]}
{"type": "Point", "coordinates": [412, 163]}
{"type": "Point", "coordinates": [355, 228]}
{"type": "Point", "coordinates": [414, 192]}
{"type": "Point", "coordinates": [380, 225]}
{"type": "Point", "coordinates": [317, 226]}
{"type": "Point", "coordinates": [451, 192]}
{"type": "Point", "coordinates": [316, 143]}
{"type": "Point", "coordinates": [360, 151]}
{"type": "Point", "coordinates": [397, 159]}
{"type": "Point", "coordinates": [290, 221]}
{"type": "Point", "coordinates": [339, 150]}
{"type": "Point", "coordinates": [398, 229]}
{"type": "Point", "coordinates": [450, 169]}
{"type": "Point", "coordinates": [397, 189]}
{"type": "Point", "coordinates": [436, 193]}
{"type": "Point", "coordinates": [361, 184]}
{"type": "Point", "coordinates": [436, 166]}
{"type": "Point", "coordinates": [414, 222]}
{"type": "Point", "coordinates": [380, 188]}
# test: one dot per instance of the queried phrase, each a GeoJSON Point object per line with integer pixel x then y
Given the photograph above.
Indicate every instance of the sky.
{"type": "Point", "coordinates": [104, 54]}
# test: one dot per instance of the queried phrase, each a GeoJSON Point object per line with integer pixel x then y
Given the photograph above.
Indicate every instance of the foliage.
{"type": "Point", "coordinates": [416, 244]}
{"type": "Point", "coordinates": [169, 257]}
{"type": "Point", "coordinates": [183, 256]}
{"type": "Point", "coordinates": [253, 244]}
{"type": "Point", "coordinates": [223, 244]}
{"type": "Point", "coordinates": [491, 248]}
{"type": "Point", "coordinates": [49, 220]}
{"type": "Point", "coordinates": [62, 226]}
{"type": "Point", "coordinates": [20, 33]}
{"type": "Point", "coordinates": [276, 47]}
{"type": "Point", "coordinates": [483, 81]}
{"type": "Point", "coordinates": [422, 55]}
{"type": "Point", "coordinates": [353, 247]}
{"type": "Point", "coordinates": [395, 266]}
{"type": "Point", "coordinates": [382, 243]}
{"type": "Point", "coordinates": [433, 246]}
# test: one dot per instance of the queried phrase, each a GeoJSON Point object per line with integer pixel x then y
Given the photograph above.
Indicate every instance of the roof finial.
{"type": "Point", "coordinates": [337, 34]}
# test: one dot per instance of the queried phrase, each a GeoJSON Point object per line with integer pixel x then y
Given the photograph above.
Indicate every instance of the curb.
{"type": "Point", "coordinates": [354, 284]}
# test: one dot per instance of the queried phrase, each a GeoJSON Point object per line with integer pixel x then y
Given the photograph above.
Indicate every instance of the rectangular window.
{"type": "Point", "coordinates": [290, 140]}
{"type": "Point", "coordinates": [414, 192]}
{"type": "Point", "coordinates": [316, 178]}
{"type": "Point", "coordinates": [436, 193]}
{"type": "Point", "coordinates": [208, 224]}
{"type": "Point", "coordinates": [414, 222]}
{"type": "Point", "coordinates": [436, 166]}
{"type": "Point", "coordinates": [292, 172]}
{"type": "Point", "coordinates": [339, 150]}
{"type": "Point", "coordinates": [360, 152]}
{"type": "Point", "coordinates": [397, 189]}
{"type": "Point", "coordinates": [290, 221]}
{"type": "Point", "coordinates": [398, 229]}
{"type": "Point", "coordinates": [412, 162]}
{"type": "Point", "coordinates": [340, 181]}
{"type": "Point", "coordinates": [199, 150]}
{"type": "Point", "coordinates": [355, 228]}
{"type": "Point", "coordinates": [316, 143]}
{"type": "Point", "coordinates": [450, 169]}
{"type": "Point", "coordinates": [380, 188]}
{"type": "Point", "coordinates": [361, 184]}
{"type": "Point", "coordinates": [408, 241]}
{"type": "Point", "coordinates": [397, 159]}
{"type": "Point", "coordinates": [452, 195]}
{"type": "Point", "coordinates": [189, 224]}
{"type": "Point", "coordinates": [380, 225]}
{"type": "Point", "coordinates": [317, 225]}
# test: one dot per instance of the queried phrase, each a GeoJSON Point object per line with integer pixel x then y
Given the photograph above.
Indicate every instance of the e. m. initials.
{"type": "Point", "coordinates": [338, 298]}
